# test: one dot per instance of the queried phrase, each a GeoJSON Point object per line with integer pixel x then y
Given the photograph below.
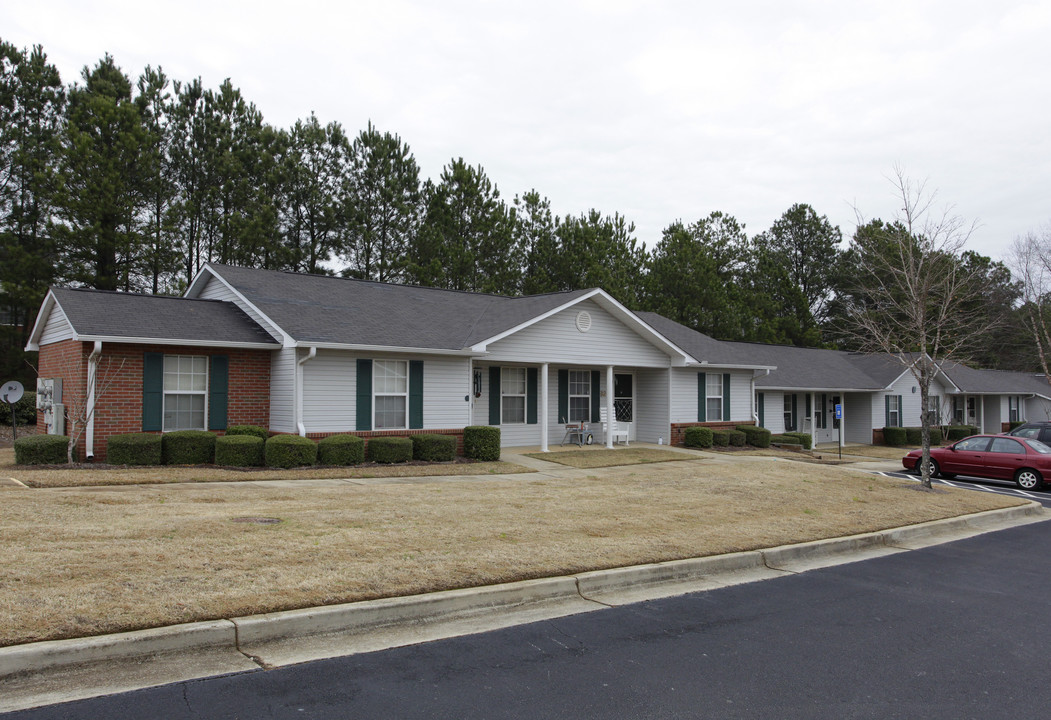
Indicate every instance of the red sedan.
{"type": "Point", "coordinates": [1023, 460]}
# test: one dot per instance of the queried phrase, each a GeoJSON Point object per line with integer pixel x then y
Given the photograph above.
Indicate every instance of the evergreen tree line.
{"type": "Point", "coordinates": [133, 186]}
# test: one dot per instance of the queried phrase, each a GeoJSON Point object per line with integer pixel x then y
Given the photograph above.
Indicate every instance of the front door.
{"type": "Point", "coordinates": [624, 401]}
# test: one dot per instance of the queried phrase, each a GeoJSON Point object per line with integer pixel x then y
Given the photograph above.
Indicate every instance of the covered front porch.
{"type": "Point", "coordinates": [533, 403]}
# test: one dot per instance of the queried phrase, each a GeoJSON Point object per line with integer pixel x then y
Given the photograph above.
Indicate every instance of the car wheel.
{"type": "Point", "coordinates": [934, 468]}
{"type": "Point", "coordinates": [1028, 479]}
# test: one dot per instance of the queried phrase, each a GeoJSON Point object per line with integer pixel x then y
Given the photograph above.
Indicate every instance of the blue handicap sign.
{"type": "Point", "coordinates": [839, 412]}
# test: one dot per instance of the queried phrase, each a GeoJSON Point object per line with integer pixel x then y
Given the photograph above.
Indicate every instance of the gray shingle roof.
{"type": "Point", "coordinates": [103, 314]}
{"type": "Point", "coordinates": [325, 309]}
{"type": "Point", "coordinates": [970, 380]}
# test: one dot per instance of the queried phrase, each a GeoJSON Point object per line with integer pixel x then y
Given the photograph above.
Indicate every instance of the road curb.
{"type": "Point", "coordinates": [235, 634]}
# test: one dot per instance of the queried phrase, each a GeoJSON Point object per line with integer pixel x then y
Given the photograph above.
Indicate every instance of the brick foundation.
{"type": "Point", "coordinates": [678, 430]}
{"type": "Point", "coordinates": [119, 379]}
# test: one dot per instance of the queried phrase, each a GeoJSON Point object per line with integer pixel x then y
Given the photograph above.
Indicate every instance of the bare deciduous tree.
{"type": "Point", "coordinates": [912, 291]}
{"type": "Point", "coordinates": [80, 402]}
{"type": "Point", "coordinates": [1030, 261]}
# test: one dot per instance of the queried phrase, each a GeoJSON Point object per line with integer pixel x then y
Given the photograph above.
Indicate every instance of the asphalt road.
{"type": "Point", "coordinates": [952, 631]}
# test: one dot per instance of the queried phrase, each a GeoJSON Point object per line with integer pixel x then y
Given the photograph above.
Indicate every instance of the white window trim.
{"type": "Point", "coordinates": [708, 396]}
{"type": "Point", "coordinates": [166, 393]}
{"type": "Point", "coordinates": [377, 394]}
{"type": "Point", "coordinates": [587, 414]}
{"type": "Point", "coordinates": [1016, 410]}
{"type": "Point", "coordinates": [524, 393]}
{"type": "Point", "coordinates": [893, 412]}
{"type": "Point", "coordinates": [786, 417]}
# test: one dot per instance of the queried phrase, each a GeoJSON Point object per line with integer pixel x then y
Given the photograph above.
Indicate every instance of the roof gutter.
{"type": "Point", "coordinates": [89, 430]}
{"type": "Point", "coordinates": [299, 389]}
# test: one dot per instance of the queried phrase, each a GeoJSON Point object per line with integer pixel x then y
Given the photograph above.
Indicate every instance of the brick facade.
{"type": "Point", "coordinates": [678, 430]}
{"type": "Point", "coordinates": [119, 383]}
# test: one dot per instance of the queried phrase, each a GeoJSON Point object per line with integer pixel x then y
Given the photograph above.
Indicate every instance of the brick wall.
{"type": "Point", "coordinates": [119, 382]}
{"type": "Point", "coordinates": [678, 430]}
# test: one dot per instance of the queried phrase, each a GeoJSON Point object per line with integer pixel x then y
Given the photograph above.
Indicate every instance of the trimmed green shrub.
{"type": "Point", "coordinates": [913, 435]}
{"type": "Point", "coordinates": [1015, 423]}
{"type": "Point", "coordinates": [188, 447]}
{"type": "Point", "coordinates": [254, 430]}
{"type": "Point", "coordinates": [25, 411]}
{"type": "Point", "coordinates": [894, 436]}
{"type": "Point", "coordinates": [755, 436]}
{"type": "Point", "coordinates": [390, 449]}
{"type": "Point", "coordinates": [134, 449]}
{"type": "Point", "coordinates": [239, 450]}
{"type": "Point", "coordinates": [434, 448]}
{"type": "Point", "coordinates": [481, 442]}
{"type": "Point", "coordinates": [720, 438]}
{"type": "Point", "coordinates": [737, 438]}
{"type": "Point", "coordinates": [804, 439]}
{"type": "Point", "coordinates": [286, 451]}
{"type": "Point", "coordinates": [698, 437]}
{"type": "Point", "coordinates": [936, 436]}
{"type": "Point", "coordinates": [785, 439]}
{"type": "Point", "coordinates": [956, 432]}
{"type": "Point", "coordinates": [341, 450]}
{"type": "Point", "coordinates": [41, 449]}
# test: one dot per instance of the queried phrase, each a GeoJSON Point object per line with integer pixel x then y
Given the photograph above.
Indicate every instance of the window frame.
{"type": "Point", "coordinates": [587, 394]}
{"type": "Point", "coordinates": [708, 397]}
{"type": "Point", "coordinates": [166, 393]}
{"type": "Point", "coordinates": [788, 416]}
{"type": "Point", "coordinates": [1013, 413]}
{"type": "Point", "coordinates": [376, 394]}
{"type": "Point", "coordinates": [893, 411]}
{"type": "Point", "coordinates": [504, 395]}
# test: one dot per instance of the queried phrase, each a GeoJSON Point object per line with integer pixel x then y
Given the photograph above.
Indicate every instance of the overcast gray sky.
{"type": "Point", "coordinates": [657, 110]}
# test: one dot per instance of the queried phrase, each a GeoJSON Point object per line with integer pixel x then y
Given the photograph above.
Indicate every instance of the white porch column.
{"type": "Point", "coordinates": [543, 408]}
{"type": "Point", "coordinates": [842, 420]}
{"type": "Point", "coordinates": [609, 407]}
{"type": "Point", "coordinates": [813, 419]}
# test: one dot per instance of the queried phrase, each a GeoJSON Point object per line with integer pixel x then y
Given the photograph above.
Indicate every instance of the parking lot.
{"type": "Point", "coordinates": [1001, 487]}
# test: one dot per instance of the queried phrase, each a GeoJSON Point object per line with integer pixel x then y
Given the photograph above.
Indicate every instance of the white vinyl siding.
{"type": "Point", "coordinates": [57, 327]}
{"type": "Point", "coordinates": [557, 340]}
{"type": "Point", "coordinates": [282, 390]}
{"type": "Point", "coordinates": [858, 412]}
{"type": "Point", "coordinates": [651, 406]}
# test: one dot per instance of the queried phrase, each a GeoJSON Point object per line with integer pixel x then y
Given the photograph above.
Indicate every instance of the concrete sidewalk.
{"type": "Point", "coordinates": [59, 671]}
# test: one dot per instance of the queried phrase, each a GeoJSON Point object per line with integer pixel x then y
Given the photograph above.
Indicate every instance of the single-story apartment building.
{"type": "Point", "coordinates": [317, 355]}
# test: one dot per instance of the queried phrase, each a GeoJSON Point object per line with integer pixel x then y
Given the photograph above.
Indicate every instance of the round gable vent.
{"type": "Point", "coordinates": [583, 321]}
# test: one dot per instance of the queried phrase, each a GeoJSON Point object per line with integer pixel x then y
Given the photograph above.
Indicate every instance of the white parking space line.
{"type": "Point", "coordinates": [996, 489]}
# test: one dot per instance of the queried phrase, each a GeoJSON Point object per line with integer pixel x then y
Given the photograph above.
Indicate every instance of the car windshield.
{"type": "Point", "coordinates": [1026, 431]}
{"type": "Point", "coordinates": [1039, 447]}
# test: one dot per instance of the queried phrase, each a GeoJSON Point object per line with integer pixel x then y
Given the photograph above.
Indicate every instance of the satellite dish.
{"type": "Point", "coordinates": [12, 392]}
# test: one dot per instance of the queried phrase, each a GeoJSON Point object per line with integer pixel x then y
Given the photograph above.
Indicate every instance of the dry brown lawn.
{"type": "Point", "coordinates": [81, 476]}
{"type": "Point", "coordinates": [87, 561]}
{"type": "Point", "coordinates": [610, 458]}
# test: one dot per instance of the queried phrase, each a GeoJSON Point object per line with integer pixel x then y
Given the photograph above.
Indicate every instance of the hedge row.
{"type": "Point", "coordinates": [706, 437]}
{"type": "Point", "coordinates": [755, 436]}
{"type": "Point", "coordinates": [248, 446]}
{"type": "Point", "coordinates": [898, 436]}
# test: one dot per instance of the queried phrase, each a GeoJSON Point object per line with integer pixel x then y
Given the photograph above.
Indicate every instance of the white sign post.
{"type": "Point", "coordinates": [839, 417]}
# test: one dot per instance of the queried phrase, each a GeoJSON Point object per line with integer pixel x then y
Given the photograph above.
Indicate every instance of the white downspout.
{"type": "Point", "coordinates": [89, 429]}
{"type": "Point", "coordinates": [299, 389]}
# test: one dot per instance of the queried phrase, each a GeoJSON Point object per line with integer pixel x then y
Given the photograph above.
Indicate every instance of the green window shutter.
{"type": "Point", "coordinates": [596, 399]}
{"type": "Point", "coordinates": [795, 424]}
{"type": "Point", "coordinates": [824, 411]}
{"type": "Point", "coordinates": [152, 391]}
{"type": "Point", "coordinates": [807, 397]}
{"type": "Point", "coordinates": [702, 392]}
{"type": "Point", "coordinates": [901, 413]}
{"type": "Point", "coordinates": [218, 391]}
{"type": "Point", "coordinates": [494, 395]}
{"type": "Point", "coordinates": [531, 390]}
{"type": "Point", "coordinates": [415, 394]}
{"type": "Point", "coordinates": [886, 411]}
{"type": "Point", "coordinates": [563, 396]}
{"type": "Point", "coordinates": [761, 410]}
{"type": "Point", "coordinates": [726, 396]}
{"type": "Point", "coordinates": [363, 412]}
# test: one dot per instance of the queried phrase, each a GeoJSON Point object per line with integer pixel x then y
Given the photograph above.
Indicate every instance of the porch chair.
{"type": "Point", "coordinates": [619, 431]}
